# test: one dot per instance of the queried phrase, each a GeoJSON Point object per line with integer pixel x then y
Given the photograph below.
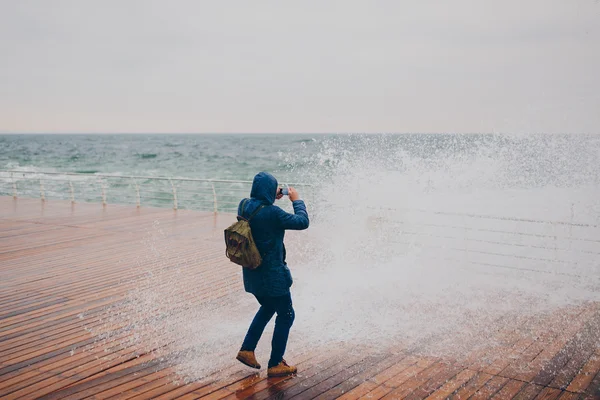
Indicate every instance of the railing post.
{"type": "Point", "coordinates": [214, 197]}
{"type": "Point", "coordinates": [14, 185]}
{"type": "Point", "coordinates": [42, 191]}
{"type": "Point", "coordinates": [572, 213]}
{"type": "Point", "coordinates": [174, 195]}
{"type": "Point", "coordinates": [466, 238]}
{"type": "Point", "coordinates": [72, 192]}
{"type": "Point", "coordinates": [571, 225]}
{"type": "Point", "coordinates": [137, 194]}
{"type": "Point", "coordinates": [555, 240]}
{"type": "Point", "coordinates": [103, 193]}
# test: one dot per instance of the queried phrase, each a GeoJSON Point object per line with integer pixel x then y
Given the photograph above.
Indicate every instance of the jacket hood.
{"type": "Point", "coordinates": [264, 188]}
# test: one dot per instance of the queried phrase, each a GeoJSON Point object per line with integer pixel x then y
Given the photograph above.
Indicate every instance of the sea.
{"type": "Point", "coordinates": [411, 168]}
{"type": "Point", "coordinates": [542, 159]}
{"type": "Point", "coordinates": [192, 156]}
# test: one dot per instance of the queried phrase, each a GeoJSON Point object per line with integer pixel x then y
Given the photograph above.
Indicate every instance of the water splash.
{"type": "Point", "coordinates": [444, 245]}
{"type": "Point", "coordinates": [413, 240]}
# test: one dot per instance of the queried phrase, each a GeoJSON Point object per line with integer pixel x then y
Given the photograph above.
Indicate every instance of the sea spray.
{"type": "Point", "coordinates": [435, 241]}
{"type": "Point", "coordinates": [444, 246]}
{"type": "Point", "coordinates": [182, 311]}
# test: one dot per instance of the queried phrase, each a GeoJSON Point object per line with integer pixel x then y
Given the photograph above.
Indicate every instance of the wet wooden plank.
{"type": "Point", "coordinates": [548, 393]}
{"type": "Point", "coordinates": [585, 376]}
{"type": "Point", "coordinates": [452, 385]}
{"type": "Point", "coordinates": [593, 390]}
{"type": "Point", "coordinates": [258, 382]}
{"type": "Point", "coordinates": [491, 387]}
{"type": "Point", "coordinates": [579, 350]}
{"type": "Point", "coordinates": [471, 386]}
{"type": "Point", "coordinates": [528, 392]}
{"type": "Point", "coordinates": [376, 374]}
{"type": "Point", "coordinates": [327, 384]}
{"type": "Point", "coordinates": [322, 375]}
{"type": "Point", "coordinates": [322, 364]}
{"type": "Point", "coordinates": [404, 387]}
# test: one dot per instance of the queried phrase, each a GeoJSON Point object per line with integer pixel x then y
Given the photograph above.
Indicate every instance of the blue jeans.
{"type": "Point", "coordinates": [282, 305]}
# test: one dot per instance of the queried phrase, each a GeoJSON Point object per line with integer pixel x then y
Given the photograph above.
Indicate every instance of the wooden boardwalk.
{"type": "Point", "coordinates": [62, 265]}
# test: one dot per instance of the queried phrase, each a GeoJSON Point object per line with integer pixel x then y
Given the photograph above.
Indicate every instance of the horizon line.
{"type": "Point", "coordinates": [296, 133]}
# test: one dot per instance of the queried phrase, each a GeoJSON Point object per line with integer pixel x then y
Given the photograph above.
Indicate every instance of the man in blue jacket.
{"type": "Point", "coordinates": [270, 282]}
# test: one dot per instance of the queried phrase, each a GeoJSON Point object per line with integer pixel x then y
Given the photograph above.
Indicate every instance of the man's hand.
{"type": "Point", "coordinates": [293, 194]}
{"type": "Point", "coordinates": [279, 195]}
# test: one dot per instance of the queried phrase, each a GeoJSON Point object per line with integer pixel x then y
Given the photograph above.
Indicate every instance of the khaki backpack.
{"type": "Point", "coordinates": [239, 244]}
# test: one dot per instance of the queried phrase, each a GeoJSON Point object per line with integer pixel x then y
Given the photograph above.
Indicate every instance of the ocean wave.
{"type": "Point", "coordinates": [28, 168]}
{"type": "Point", "coordinates": [147, 155]}
{"type": "Point", "coordinates": [305, 140]}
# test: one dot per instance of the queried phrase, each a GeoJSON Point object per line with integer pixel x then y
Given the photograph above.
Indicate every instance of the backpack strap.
{"type": "Point", "coordinates": [256, 211]}
{"type": "Point", "coordinates": [242, 210]}
{"type": "Point", "coordinates": [252, 215]}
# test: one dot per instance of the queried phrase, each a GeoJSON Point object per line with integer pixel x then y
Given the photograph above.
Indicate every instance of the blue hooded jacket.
{"type": "Point", "coordinates": [272, 277]}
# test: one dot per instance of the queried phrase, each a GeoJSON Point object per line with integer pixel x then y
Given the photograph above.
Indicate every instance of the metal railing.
{"type": "Point", "coordinates": [218, 195]}
{"type": "Point", "coordinates": [569, 246]}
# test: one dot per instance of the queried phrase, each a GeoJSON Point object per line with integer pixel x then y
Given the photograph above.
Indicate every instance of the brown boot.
{"type": "Point", "coordinates": [248, 358]}
{"type": "Point", "coordinates": [283, 369]}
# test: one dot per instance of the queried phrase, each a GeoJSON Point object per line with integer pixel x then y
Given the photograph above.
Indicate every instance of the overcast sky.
{"type": "Point", "coordinates": [303, 66]}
